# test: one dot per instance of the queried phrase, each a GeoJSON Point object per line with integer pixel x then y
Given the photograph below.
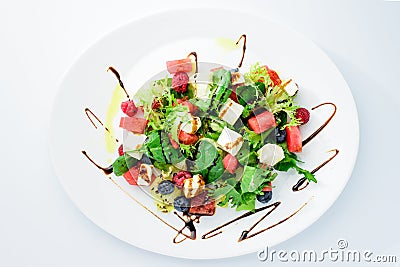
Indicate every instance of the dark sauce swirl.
{"type": "Point", "coordinates": [243, 36]}
{"type": "Point", "coordinates": [90, 114]}
{"type": "Point", "coordinates": [214, 232]}
{"type": "Point", "coordinates": [303, 182]}
{"type": "Point", "coordinates": [107, 170]}
{"type": "Point", "coordinates": [245, 234]}
{"type": "Point", "coordinates": [119, 80]}
{"type": "Point", "coordinates": [314, 134]}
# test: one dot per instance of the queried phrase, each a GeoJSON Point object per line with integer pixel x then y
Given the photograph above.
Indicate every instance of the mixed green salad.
{"type": "Point", "coordinates": [197, 140]}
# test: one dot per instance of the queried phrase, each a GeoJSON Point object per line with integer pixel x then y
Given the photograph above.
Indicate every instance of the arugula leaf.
{"type": "Point", "coordinates": [248, 202]}
{"type": "Point", "coordinates": [252, 178]}
{"type": "Point", "coordinates": [291, 161]}
{"type": "Point", "coordinates": [230, 193]}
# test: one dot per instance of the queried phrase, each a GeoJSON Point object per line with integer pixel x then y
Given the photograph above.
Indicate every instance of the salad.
{"type": "Point", "coordinates": [207, 135]}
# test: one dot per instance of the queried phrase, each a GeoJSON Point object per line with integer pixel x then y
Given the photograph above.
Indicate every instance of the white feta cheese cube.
{"type": "Point", "coordinates": [201, 81]}
{"type": "Point", "coordinates": [192, 125]}
{"type": "Point", "coordinates": [193, 186]}
{"type": "Point", "coordinates": [291, 87]}
{"type": "Point", "coordinates": [237, 78]}
{"type": "Point", "coordinates": [133, 141]}
{"type": "Point", "coordinates": [230, 141]}
{"type": "Point", "coordinates": [270, 154]}
{"type": "Point", "coordinates": [145, 173]}
{"type": "Point", "coordinates": [231, 111]}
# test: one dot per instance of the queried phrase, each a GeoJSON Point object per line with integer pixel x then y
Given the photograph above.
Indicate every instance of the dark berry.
{"type": "Point", "coordinates": [166, 187]}
{"type": "Point", "coordinates": [303, 115]}
{"type": "Point", "coordinates": [129, 108]}
{"type": "Point", "coordinates": [182, 204]}
{"type": "Point", "coordinates": [265, 198]}
{"type": "Point", "coordinates": [180, 82]}
{"type": "Point", "coordinates": [179, 177]}
{"type": "Point", "coordinates": [280, 135]}
{"type": "Point", "coordinates": [121, 150]}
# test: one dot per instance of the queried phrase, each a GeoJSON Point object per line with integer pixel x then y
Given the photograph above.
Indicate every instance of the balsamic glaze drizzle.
{"type": "Point", "coordinates": [314, 134]}
{"type": "Point", "coordinates": [108, 170]}
{"type": "Point", "coordinates": [243, 36]}
{"type": "Point", "coordinates": [90, 113]}
{"type": "Point", "coordinates": [214, 232]}
{"type": "Point", "coordinates": [303, 182]}
{"type": "Point", "coordinates": [194, 54]}
{"type": "Point", "coordinates": [119, 80]}
{"type": "Point", "coordinates": [272, 226]}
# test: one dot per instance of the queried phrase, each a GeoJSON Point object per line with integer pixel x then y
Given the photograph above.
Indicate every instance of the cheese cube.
{"type": "Point", "coordinates": [193, 186]}
{"type": "Point", "coordinates": [270, 154]}
{"type": "Point", "coordinates": [145, 174]}
{"type": "Point", "coordinates": [133, 141]}
{"type": "Point", "coordinates": [201, 81]}
{"type": "Point", "coordinates": [230, 141]}
{"type": "Point", "coordinates": [291, 87]}
{"type": "Point", "coordinates": [192, 125]}
{"type": "Point", "coordinates": [231, 111]}
{"type": "Point", "coordinates": [237, 77]}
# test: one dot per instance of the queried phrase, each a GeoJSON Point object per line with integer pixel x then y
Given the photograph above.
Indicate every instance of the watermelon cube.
{"type": "Point", "coordinates": [293, 137]}
{"type": "Point", "coordinates": [136, 125]}
{"type": "Point", "coordinates": [178, 65]}
{"type": "Point", "coordinates": [132, 175]}
{"type": "Point", "coordinates": [262, 122]}
{"type": "Point", "coordinates": [230, 163]}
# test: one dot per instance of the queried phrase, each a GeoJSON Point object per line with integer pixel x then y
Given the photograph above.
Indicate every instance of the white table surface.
{"type": "Point", "coordinates": [39, 40]}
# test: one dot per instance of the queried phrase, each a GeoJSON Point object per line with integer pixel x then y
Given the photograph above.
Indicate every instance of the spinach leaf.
{"type": "Point", "coordinates": [122, 164]}
{"type": "Point", "coordinates": [205, 156]}
{"type": "Point", "coordinates": [216, 171]}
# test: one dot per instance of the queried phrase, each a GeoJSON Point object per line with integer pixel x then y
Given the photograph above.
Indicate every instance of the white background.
{"type": "Point", "coordinates": [39, 40]}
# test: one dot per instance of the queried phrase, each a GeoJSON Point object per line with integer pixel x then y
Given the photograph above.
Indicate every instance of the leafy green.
{"type": "Point", "coordinates": [216, 171]}
{"type": "Point", "coordinates": [258, 74]}
{"type": "Point", "coordinates": [290, 162]}
{"type": "Point", "coordinates": [122, 164]}
{"type": "Point", "coordinates": [252, 178]}
{"type": "Point", "coordinates": [243, 195]}
{"type": "Point", "coordinates": [248, 94]}
{"type": "Point", "coordinates": [205, 156]}
{"type": "Point", "coordinates": [222, 81]}
{"type": "Point", "coordinates": [171, 154]}
{"type": "Point", "coordinates": [154, 148]}
{"type": "Point", "coordinates": [175, 115]}
{"type": "Point", "coordinates": [248, 202]}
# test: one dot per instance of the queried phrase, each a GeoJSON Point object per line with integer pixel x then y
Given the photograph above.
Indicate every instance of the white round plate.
{"type": "Point", "coordinates": [139, 50]}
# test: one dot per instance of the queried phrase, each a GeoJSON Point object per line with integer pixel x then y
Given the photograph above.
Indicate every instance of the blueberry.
{"type": "Point", "coordinates": [265, 198]}
{"type": "Point", "coordinates": [181, 204]}
{"type": "Point", "coordinates": [166, 187]}
{"type": "Point", "coordinates": [280, 135]}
